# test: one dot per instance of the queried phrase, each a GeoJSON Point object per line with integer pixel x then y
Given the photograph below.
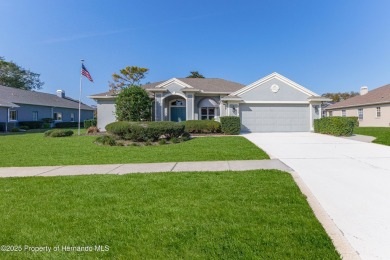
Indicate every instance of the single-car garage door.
{"type": "Point", "coordinates": [274, 118]}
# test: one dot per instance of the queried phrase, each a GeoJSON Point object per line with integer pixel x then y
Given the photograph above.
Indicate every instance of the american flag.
{"type": "Point", "coordinates": [85, 73]}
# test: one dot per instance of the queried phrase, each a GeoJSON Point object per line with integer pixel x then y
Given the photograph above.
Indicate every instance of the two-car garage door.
{"type": "Point", "coordinates": [274, 118]}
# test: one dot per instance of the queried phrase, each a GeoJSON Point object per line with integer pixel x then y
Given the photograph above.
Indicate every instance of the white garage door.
{"type": "Point", "coordinates": [274, 118]}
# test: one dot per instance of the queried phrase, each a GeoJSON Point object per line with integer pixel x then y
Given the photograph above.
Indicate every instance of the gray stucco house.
{"type": "Point", "coordinates": [17, 105]}
{"type": "Point", "coordinates": [271, 104]}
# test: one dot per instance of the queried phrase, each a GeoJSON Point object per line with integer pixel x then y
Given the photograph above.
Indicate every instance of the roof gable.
{"type": "Point", "coordinates": [173, 81]}
{"type": "Point", "coordinates": [270, 77]}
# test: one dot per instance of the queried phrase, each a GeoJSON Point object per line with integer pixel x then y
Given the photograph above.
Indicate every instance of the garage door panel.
{"type": "Point", "coordinates": [274, 118]}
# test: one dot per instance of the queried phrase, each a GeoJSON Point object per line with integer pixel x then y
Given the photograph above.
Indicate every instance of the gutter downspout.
{"type": "Point", "coordinates": [6, 125]}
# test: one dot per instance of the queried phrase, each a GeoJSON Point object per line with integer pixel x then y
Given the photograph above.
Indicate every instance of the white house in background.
{"type": "Point", "coordinates": [271, 104]}
{"type": "Point", "coordinates": [371, 107]}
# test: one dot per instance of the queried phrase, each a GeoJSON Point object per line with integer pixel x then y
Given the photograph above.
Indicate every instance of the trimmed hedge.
{"type": "Point", "coordinates": [89, 123]}
{"type": "Point", "coordinates": [31, 124]}
{"type": "Point", "coordinates": [2, 127]}
{"type": "Point", "coordinates": [145, 131]}
{"type": "Point", "coordinates": [58, 133]}
{"type": "Point", "coordinates": [230, 125]}
{"type": "Point", "coordinates": [47, 120]}
{"type": "Point", "coordinates": [68, 124]}
{"type": "Point", "coordinates": [202, 126]}
{"type": "Point", "coordinates": [336, 125]}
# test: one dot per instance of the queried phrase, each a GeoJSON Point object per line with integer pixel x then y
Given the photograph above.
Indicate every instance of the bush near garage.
{"type": "Point", "coordinates": [58, 133]}
{"type": "Point", "coordinates": [90, 122]}
{"type": "Point", "coordinates": [31, 124]}
{"type": "Point", "coordinates": [202, 126]}
{"type": "Point", "coordinates": [336, 125]}
{"type": "Point", "coordinates": [145, 131]}
{"type": "Point", "coordinates": [230, 125]}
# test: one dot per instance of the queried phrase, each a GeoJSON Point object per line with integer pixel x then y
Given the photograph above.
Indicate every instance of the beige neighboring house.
{"type": "Point", "coordinates": [371, 107]}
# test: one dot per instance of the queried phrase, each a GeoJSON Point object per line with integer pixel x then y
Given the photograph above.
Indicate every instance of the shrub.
{"type": "Point", "coordinates": [15, 129]}
{"type": "Point", "coordinates": [46, 125]}
{"type": "Point", "coordinates": [119, 128]}
{"type": "Point", "coordinates": [133, 103]}
{"type": "Point", "coordinates": [24, 127]}
{"type": "Point", "coordinates": [162, 141]}
{"type": "Point", "coordinates": [185, 136]}
{"type": "Point", "coordinates": [2, 127]}
{"type": "Point", "coordinates": [89, 123]}
{"type": "Point", "coordinates": [67, 124]}
{"type": "Point", "coordinates": [58, 133]}
{"type": "Point", "coordinates": [355, 120]}
{"type": "Point", "coordinates": [175, 140]}
{"type": "Point", "coordinates": [30, 124]}
{"type": "Point", "coordinates": [92, 130]}
{"type": "Point", "coordinates": [337, 125]}
{"type": "Point", "coordinates": [47, 120]}
{"type": "Point", "coordinates": [230, 125]}
{"type": "Point", "coordinates": [106, 140]}
{"type": "Point", "coordinates": [202, 126]}
{"type": "Point", "coordinates": [143, 131]}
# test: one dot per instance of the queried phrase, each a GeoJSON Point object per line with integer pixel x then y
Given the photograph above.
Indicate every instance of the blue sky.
{"type": "Point", "coordinates": [326, 46]}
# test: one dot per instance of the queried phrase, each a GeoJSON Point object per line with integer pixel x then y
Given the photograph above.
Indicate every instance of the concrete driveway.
{"type": "Point", "coordinates": [350, 179]}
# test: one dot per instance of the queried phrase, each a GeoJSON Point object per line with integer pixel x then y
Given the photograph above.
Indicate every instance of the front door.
{"type": "Point", "coordinates": [178, 114]}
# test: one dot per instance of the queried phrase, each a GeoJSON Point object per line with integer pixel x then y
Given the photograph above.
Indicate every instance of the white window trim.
{"type": "Point", "coordinates": [9, 116]}
{"type": "Point", "coordinates": [376, 112]}
{"type": "Point", "coordinates": [72, 118]}
{"type": "Point", "coordinates": [215, 113]}
{"type": "Point", "coordinates": [343, 113]}
{"type": "Point", "coordinates": [34, 119]}
{"type": "Point", "coordinates": [58, 120]}
{"type": "Point", "coordinates": [358, 113]}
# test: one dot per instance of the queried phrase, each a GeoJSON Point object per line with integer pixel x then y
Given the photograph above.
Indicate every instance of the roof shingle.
{"type": "Point", "coordinates": [376, 96]}
{"type": "Point", "coordinates": [20, 96]}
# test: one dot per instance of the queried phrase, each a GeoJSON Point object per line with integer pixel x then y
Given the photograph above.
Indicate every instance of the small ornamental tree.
{"type": "Point", "coordinates": [133, 104]}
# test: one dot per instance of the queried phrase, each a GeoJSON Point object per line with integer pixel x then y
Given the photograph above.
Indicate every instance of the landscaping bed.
{"type": "Point", "coordinates": [191, 215]}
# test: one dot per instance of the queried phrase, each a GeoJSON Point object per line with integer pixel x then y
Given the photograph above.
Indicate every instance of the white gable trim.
{"type": "Point", "coordinates": [270, 77]}
{"type": "Point", "coordinates": [173, 80]}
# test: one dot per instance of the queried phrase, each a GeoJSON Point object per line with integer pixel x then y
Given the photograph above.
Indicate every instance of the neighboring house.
{"type": "Point", "coordinates": [17, 105]}
{"type": "Point", "coordinates": [371, 107]}
{"type": "Point", "coordinates": [271, 104]}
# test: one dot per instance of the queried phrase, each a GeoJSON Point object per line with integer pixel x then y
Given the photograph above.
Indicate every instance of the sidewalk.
{"type": "Point", "coordinates": [143, 168]}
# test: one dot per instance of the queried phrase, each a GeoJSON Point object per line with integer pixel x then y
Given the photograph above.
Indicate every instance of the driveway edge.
{"type": "Point", "coordinates": [340, 242]}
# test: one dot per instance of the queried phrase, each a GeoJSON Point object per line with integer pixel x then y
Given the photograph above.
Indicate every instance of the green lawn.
{"type": "Point", "coordinates": [382, 134]}
{"type": "Point", "coordinates": [36, 150]}
{"type": "Point", "coordinates": [190, 215]}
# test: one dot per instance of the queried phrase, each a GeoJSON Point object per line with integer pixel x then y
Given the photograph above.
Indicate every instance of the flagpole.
{"type": "Point", "coordinates": [81, 84]}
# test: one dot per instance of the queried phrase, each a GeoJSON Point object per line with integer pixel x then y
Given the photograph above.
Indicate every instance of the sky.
{"type": "Point", "coordinates": [326, 46]}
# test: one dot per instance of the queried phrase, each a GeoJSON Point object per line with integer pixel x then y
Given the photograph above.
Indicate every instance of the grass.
{"type": "Point", "coordinates": [36, 150]}
{"type": "Point", "coordinates": [191, 215]}
{"type": "Point", "coordinates": [382, 134]}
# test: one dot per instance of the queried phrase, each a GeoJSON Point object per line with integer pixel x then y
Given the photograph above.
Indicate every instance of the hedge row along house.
{"type": "Point", "coordinates": [372, 107]}
{"type": "Point", "coordinates": [271, 104]}
{"type": "Point", "coordinates": [17, 105]}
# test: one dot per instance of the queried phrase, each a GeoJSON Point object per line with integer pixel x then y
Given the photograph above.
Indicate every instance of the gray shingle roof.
{"type": "Point", "coordinates": [375, 96]}
{"type": "Point", "coordinates": [19, 96]}
{"type": "Point", "coordinates": [205, 85]}
{"type": "Point", "coordinates": [5, 103]}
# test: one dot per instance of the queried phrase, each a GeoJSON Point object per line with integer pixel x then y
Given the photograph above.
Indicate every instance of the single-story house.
{"type": "Point", "coordinates": [271, 104]}
{"type": "Point", "coordinates": [371, 107]}
{"type": "Point", "coordinates": [17, 105]}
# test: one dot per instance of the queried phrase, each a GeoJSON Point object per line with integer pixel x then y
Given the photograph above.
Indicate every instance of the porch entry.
{"type": "Point", "coordinates": [178, 110]}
